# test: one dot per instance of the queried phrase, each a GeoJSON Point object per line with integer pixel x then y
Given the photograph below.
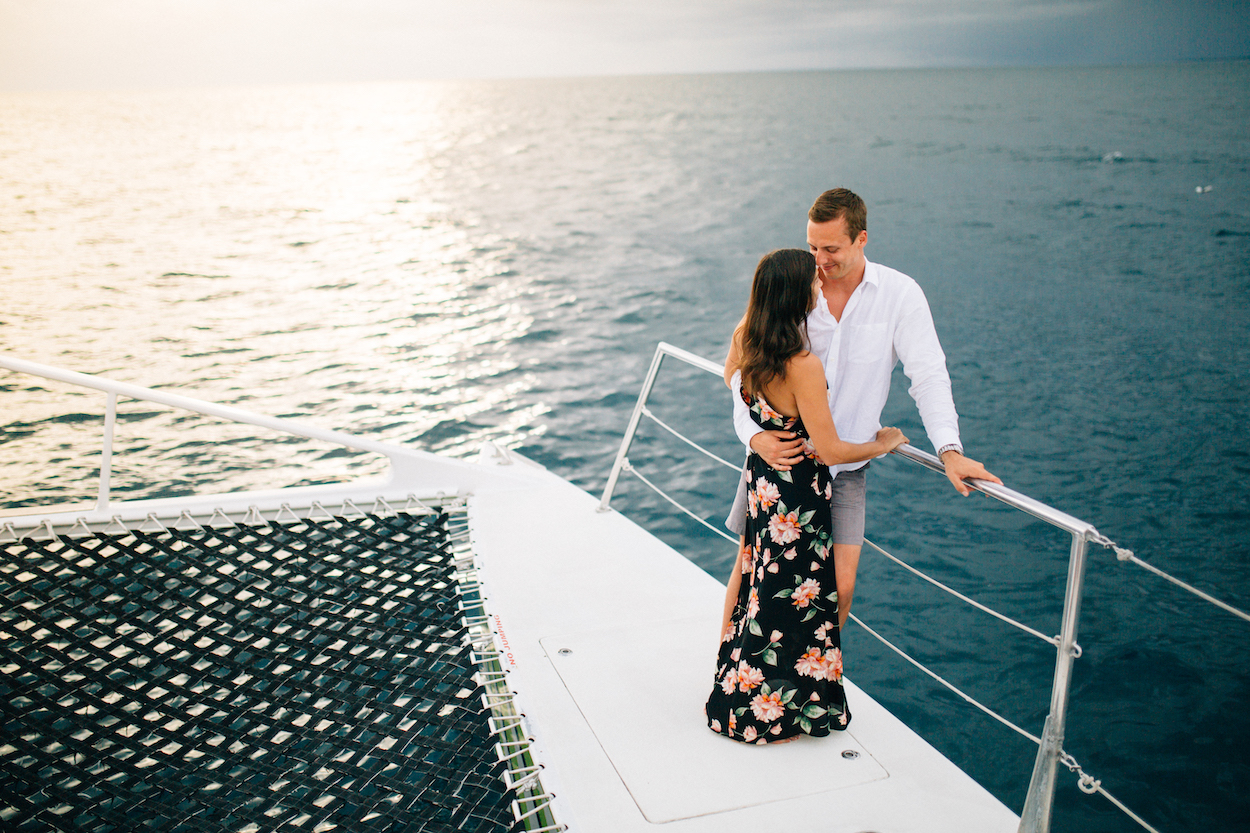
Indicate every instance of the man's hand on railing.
{"type": "Point", "coordinates": [959, 467]}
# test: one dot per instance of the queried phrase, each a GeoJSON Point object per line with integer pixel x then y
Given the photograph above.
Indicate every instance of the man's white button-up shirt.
{"type": "Point", "coordinates": [886, 320]}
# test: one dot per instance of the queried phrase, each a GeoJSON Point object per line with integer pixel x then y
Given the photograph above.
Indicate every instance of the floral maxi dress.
{"type": "Point", "coordinates": [779, 669]}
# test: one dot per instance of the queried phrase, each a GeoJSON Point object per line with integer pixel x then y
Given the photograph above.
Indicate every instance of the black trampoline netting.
{"type": "Point", "coordinates": [305, 676]}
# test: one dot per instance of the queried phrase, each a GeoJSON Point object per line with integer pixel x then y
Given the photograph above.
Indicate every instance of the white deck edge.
{"type": "Point", "coordinates": [550, 564]}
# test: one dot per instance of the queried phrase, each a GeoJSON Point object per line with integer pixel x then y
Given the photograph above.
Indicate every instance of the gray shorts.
{"type": "Point", "coordinates": [847, 507]}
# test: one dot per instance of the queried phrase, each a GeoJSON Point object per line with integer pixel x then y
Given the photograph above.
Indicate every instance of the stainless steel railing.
{"type": "Point", "coordinates": [114, 389]}
{"type": "Point", "coordinates": [1035, 817]}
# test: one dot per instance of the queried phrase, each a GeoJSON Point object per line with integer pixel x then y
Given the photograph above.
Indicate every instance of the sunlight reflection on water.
{"type": "Point", "coordinates": [260, 249]}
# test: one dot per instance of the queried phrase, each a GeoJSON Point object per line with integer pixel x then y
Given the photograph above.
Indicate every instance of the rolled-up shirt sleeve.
{"type": "Point", "coordinates": [917, 346]}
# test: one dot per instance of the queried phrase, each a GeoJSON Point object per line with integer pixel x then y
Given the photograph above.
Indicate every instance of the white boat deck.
{"type": "Point", "coordinates": [610, 639]}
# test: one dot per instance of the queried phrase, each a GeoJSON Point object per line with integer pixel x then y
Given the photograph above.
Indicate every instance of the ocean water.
{"type": "Point", "coordinates": [438, 264]}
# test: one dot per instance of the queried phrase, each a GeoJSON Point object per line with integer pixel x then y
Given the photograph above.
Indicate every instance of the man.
{"type": "Point", "coordinates": [868, 319]}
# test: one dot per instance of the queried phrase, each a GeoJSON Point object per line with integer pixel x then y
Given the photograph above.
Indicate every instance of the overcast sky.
{"type": "Point", "coordinates": [93, 44]}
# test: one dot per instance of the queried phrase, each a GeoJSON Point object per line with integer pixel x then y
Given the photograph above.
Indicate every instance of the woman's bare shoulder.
{"type": "Point", "coordinates": [805, 371]}
{"type": "Point", "coordinates": [805, 363]}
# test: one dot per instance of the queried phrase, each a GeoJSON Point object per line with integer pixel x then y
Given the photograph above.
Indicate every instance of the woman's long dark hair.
{"type": "Point", "coordinates": [775, 329]}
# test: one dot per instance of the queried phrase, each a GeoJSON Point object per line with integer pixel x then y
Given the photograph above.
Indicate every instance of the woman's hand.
{"type": "Point", "coordinates": [891, 438]}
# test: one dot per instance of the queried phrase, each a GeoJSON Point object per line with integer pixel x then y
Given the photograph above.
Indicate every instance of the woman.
{"type": "Point", "coordinates": [779, 669]}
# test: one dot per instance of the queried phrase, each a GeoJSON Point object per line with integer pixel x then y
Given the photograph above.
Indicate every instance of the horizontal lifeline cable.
{"type": "Point", "coordinates": [1123, 554]}
{"type": "Point", "coordinates": [647, 413]}
{"type": "Point", "coordinates": [1087, 783]}
{"type": "Point", "coordinates": [887, 643]}
{"type": "Point", "coordinates": [1051, 639]}
{"type": "Point", "coordinates": [629, 468]}
{"type": "Point", "coordinates": [1090, 785]}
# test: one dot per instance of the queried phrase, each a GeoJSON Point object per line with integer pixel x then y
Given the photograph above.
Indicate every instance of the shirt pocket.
{"type": "Point", "coordinates": [868, 343]}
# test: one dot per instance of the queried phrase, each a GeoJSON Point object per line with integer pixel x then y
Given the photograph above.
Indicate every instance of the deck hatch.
{"type": "Point", "coordinates": [642, 685]}
{"type": "Point", "coordinates": [300, 676]}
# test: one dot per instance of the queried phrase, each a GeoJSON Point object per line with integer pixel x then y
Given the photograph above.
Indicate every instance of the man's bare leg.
{"type": "Point", "coordinates": [731, 588]}
{"type": "Point", "coordinates": [845, 565]}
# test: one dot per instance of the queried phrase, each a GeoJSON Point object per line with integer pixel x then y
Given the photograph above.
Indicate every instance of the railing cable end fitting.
{"type": "Point", "coordinates": [1121, 553]}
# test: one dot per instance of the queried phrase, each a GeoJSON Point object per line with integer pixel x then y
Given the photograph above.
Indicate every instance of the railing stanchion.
{"type": "Point", "coordinates": [1035, 817]}
{"type": "Point", "coordinates": [661, 350]}
{"type": "Point", "coordinates": [106, 453]}
{"type": "Point", "coordinates": [634, 418]}
{"type": "Point", "coordinates": [1038, 804]}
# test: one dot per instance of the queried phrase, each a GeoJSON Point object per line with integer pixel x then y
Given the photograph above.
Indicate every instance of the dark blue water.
{"type": "Point", "coordinates": [439, 264]}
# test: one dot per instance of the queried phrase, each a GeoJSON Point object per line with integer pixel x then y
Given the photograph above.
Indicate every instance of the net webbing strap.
{"type": "Point", "coordinates": [300, 676]}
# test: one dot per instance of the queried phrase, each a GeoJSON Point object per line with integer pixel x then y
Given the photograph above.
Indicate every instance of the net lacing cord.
{"type": "Point", "coordinates": [515, 745]}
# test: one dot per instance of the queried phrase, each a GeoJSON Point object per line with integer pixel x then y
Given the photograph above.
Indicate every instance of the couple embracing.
{"type": "Point", "coordinates": [810, 367]}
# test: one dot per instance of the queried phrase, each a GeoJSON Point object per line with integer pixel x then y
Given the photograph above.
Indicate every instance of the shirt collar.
{"type": "Point", "coordinates": [871, 277]}
{"type": "Point", "coordinates": [870, 273]}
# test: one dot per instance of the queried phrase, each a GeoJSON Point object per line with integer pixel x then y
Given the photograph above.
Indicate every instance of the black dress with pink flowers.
{"type": "Point", "coordinates": [779, 670]}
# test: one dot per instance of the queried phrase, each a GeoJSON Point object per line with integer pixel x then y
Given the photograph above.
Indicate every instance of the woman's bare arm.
{"type": "Point", "coordinates": [805, 376]}
{"type": "Point", "coordinates": [735, 353]}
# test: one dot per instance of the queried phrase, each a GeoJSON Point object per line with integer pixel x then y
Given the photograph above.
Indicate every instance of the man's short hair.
{"type": "Point", "coordinates": [840, 202]}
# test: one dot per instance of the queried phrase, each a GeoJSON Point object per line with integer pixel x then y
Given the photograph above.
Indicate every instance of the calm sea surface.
{"type": "Point", "coordinates": [438, 264]}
